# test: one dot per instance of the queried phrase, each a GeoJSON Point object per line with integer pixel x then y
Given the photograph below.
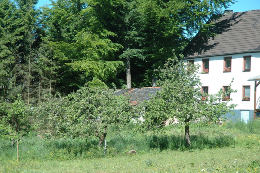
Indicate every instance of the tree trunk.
{"type": "Point", "coordinates": [50, 87]}
{"type": "Point", "coordinates": [17, 150]}
{"type": "Point", "coordinates": [187, 135]}
{"type": "Point", "coordinates": [128, 73]}
{"type": "Point", "coordinates": [102, 139]}
{"type": "Point", "coordinates": [154, 80]}
{"type": "Point", "coordinates": [128, 66]}
{"type": "Point", "coordinates": [29, 77]}
{"type": "Point", "coordinates": [13, 143]}
{"type": "Point", "coordinates": [39, 99]}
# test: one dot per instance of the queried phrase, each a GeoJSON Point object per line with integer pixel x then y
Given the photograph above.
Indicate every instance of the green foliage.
{"type": "Point", "coordinates": [251, 127]}
{"type": "Point", "coordinates": [20, 38]}
{"type": "Point", "coordinates": [82, 48]}
{"type": "Point", "coordinates": [73, 42]}
{"type": "Point", "coordinates": [89, 54]}
{"type": "Point", "coordinates": [101, 70]}
{"type": "Point", "coordinates": [148, 30]}
{"type": "Point", "coordinates": [87, 112]}
{"type": "Point", "coordinates": [49, 115]}
{"type": "Point", "coordinates": [14, 119]}
{"type": "Point", "coordinates": [95, 110]}
{"type": "Point", "coordinates": [205, 138]}
{"type": "Point", "coordinates": [181, 98]}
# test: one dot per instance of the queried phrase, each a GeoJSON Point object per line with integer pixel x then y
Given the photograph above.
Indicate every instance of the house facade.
{"type": "Point", "coordinates": [232, 54]}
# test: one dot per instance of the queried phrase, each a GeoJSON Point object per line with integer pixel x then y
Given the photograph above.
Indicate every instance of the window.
{"type": "Point", "coordinates": [226, 93]}
{"type": "Point", "coordinates": [247, 63]}
{"type": "Point", "coordinates": [205, 66]}
{"type": "Point", "coordinates": [205, 91]}
{"type": "Point", "coordinates": [227, 64]}
{"type": "Point", "coordinates": [246, 93]}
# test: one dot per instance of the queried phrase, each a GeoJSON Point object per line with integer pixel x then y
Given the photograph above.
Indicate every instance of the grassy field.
{"type": "Point", "coordinates": [226, 148]}
{"type": "Point", "coordinates": [208, 160]}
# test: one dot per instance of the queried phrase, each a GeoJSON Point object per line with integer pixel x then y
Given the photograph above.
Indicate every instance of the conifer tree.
{"type": "Point", "coordinates": [18, 41]}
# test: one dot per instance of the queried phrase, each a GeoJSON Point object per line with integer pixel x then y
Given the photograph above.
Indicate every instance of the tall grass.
{"type": "Point", "coordinates": [119, 142]}
{"type": "Point", "coordinates": [250, 127]}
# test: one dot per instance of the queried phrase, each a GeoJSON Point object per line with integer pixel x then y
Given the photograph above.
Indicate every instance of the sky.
{"type": "Point", "coordinates": [239, 6]}
{"type": "Point", "coordinates": [245, 5]}
{"type": "Point", "coordinates": [43, 3]}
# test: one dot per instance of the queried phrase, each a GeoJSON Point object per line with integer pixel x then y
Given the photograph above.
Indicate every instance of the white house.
{"type": "Point", "coordinates": [233, 53]}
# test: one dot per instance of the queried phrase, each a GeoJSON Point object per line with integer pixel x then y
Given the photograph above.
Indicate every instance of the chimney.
{"type": "Point", "coordinates": [228, 11]}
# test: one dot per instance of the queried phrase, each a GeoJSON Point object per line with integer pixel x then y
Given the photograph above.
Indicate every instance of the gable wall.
{"type": "Point", "coordinates": [216, 78]}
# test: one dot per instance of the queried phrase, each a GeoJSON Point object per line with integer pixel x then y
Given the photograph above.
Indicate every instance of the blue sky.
{"type": "Point", "coordinates": [245, 5]}
{"type": "Point", "coordinates": [43, 3]}
{"type": "Point", "coordinates": [239, 6]}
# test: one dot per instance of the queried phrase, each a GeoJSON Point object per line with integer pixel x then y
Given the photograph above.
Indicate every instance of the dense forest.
{"type": "Point", "coordinates": [103, 43]}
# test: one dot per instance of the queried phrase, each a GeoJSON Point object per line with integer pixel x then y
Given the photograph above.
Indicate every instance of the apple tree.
{"type": "Point", "coordinates": [181, 98]}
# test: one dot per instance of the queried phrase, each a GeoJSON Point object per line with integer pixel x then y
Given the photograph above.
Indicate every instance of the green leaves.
{"type": "Point", "coordinates": [83, 48]}
{"type": "Point", "coordinates": [14, 118]}
{"type": "Point", "coordinates": [103, 70]}
{"type": "Point", "coordinates": [181, 97]}
{"type": "Point", "coordinates": [73, 42]}
{"type": "Point", "coordinates": [97, 109]}
{"type": "Point", "coordinates": [87, 112]}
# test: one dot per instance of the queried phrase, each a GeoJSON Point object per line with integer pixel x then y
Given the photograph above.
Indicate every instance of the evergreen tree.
{"type": "Point", "coordinates": [7, 43]}
{"type": "Point", "coordinates": [122, 18]}
{"type": "Point", "coordinates": [18, 39]}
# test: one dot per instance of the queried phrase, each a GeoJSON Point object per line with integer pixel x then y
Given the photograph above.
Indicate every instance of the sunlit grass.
{"type": "Point", "coordinates": [226, 148]}
{"type": "Point", "coordinates": [208, 160]}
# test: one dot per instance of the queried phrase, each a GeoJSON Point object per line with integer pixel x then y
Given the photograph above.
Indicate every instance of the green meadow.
{"type": "Point", "coordinates": [231, 147]}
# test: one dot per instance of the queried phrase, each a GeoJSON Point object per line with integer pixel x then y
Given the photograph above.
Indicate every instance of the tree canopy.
{"type": "Point", "coordinates": [115, 43]}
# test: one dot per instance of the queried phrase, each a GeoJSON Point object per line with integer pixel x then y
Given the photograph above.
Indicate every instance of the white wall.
{"type": "Point", "coordinates": [215, 79]}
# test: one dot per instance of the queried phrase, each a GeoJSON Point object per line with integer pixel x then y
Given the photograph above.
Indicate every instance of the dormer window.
{"type": "Point", "coordinates": [227, 64]}
{"type": "Point", "coordinates": [205, 66]}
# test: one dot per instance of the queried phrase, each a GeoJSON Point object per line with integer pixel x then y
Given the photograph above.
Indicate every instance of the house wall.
{"type": "Point", "coordinates": [216, 79]}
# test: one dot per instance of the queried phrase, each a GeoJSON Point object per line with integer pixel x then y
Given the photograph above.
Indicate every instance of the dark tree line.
{"type": "Point", "coordinates": [103, 43]}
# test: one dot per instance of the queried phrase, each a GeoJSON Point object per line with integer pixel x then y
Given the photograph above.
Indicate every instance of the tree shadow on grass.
{"type": "Point", "coordinates": [177, 142]}
{"type": "Point", "coordinates": [171, 142]}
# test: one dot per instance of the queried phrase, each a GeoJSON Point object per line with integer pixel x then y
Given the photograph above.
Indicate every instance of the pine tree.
{"type": "Point", "coordinates": [19, 43]}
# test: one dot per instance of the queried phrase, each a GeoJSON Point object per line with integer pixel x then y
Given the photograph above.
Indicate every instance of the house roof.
{"type": "Point", "coordinates": [235, 33]}
{"type": "Point", "coordinates": [139, 94]}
